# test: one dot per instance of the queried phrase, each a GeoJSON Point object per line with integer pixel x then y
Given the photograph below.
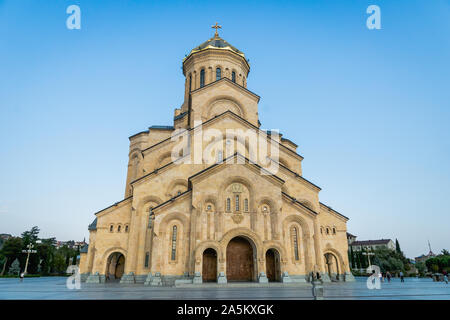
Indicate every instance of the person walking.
{"type": "Point", "coordinates": [21, 276]}
{"type": "Point", "coordinates": [446, 278]}
{"type": "Point", "coordinates": [402, 277]}
{"type": "Point", "coordinates": [388, 276]}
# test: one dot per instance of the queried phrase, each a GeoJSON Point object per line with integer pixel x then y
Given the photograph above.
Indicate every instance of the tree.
{"type": "Point", "coordinates": [46, 252]}
{"type": "Point", "coordinates": [59, 263]}
{"type": "Point", "coordinates": [15, 268]}
{"type": "Point", "coordinates": [421, 267]}
{"type": "Point", "coordinates": [30, 236]}
{"type": "Point", "coordinates": [445, 252]}
{"type": "Point", "coordinates": [12, 250]}
{"type": "Point", "coordinates": [397, 247]}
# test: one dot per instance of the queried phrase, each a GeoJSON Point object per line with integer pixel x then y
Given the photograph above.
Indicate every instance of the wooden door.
{"type": "Point", "coordinates": [270, 265]}
{"type": "Point", "coordinates": [239, 260]}
{"type": "Point", "coordinates": [119, 267]}
{"type": "Point", "coordinates": [209, 270]}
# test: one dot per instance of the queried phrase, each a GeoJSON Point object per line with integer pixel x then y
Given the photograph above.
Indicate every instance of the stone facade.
{"type": "Point", "coordinates": [178, 204]}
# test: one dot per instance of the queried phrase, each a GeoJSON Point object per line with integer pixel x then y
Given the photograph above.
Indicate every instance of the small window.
{"type": "Point", "coordinates": [233, 77]}
{"type": "Point", "coordinates": [228, 204]}
{"type": "Point", "coordinates": [190, 82]}
{"type": "Point", "coordinates": [218, 74]}
{"type": "Point", "coordinates": [209, 207]}
{"type": "Point", "coordinates": [147, 256]}
{"type": "Point", "coordinates": [202, 78]}
{"type": "Point", "coordinates": [328, 231]}
{"type": "Point", "coordinates": [111, 228]}
{"type": "Point", "coordinates": [334, 230]}
{"type": "Point", "coordinates": [126, 228]}
{"type": "Point", "coordinates": [237, 202]}
{"type": "Point", "coordinates": [246, 205]}
{"type": "Point", "coordinates": [119, 227]}
{"type": "Point", "coordinates": [174, 243]}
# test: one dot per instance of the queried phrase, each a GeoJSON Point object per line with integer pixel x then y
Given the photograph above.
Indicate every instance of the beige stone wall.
{"type": "Point", "coordinates": [281, 210]}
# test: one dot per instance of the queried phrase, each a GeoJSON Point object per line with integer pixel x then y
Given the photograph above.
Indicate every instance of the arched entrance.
{"type": "Point", "coordinates": [273, 270]}
{"type": "Point", "coordinates": [240, 256]}
{"type": "Point", "coordinates": [332, 266]}
{"type": "Point", "coordinates": [209, 270]}
{"type": "Point", "coordinates": [115, 266]}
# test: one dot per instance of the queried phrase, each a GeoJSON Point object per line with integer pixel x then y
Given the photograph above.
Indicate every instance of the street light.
{"type": "Point", "coordinates": [368, 254]}
{"type": "Point", "coordinates": [28, 251]}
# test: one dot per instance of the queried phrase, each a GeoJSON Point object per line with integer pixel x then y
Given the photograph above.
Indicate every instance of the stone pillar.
{"type": "Point", "coordinates": [192, 239]}
{"type": "Point", "coordinates": [318, 246]}
{"type": "Point", "coordinates": [143, 224]}
{"type": "Point", "coordinates": [133, 238]}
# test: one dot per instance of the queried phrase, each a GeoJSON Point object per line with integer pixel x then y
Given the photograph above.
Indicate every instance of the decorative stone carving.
{"type": "Point", "coordinates": [236, 188]}
{"type": "Point", "coordinates": [237, 217]}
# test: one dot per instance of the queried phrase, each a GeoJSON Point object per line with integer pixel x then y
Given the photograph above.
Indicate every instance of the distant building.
{"type": "Point", "coordinates": [71, 244]}
{"type": "Point", "coordinates": [425, 257]}
{"type": "Point", "coordinates": [372, 244]}
{"type": "Point", "coordinates": [350, 239]}
{"type": "Point", "coordinates": [5, 236]}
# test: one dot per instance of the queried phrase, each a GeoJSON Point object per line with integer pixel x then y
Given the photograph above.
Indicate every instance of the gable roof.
{"type": "Point", "coordinates": [298, 203]}
{"type": "Point", "coordinates": [247, 161]}
{"type": "Point", "coordinates": [226, 80]}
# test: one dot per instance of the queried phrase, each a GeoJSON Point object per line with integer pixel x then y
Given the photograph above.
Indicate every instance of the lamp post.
{"type": "Point", "coordinates": [368, 254]}
{"type": "Point", "coordinates": [28, 251]}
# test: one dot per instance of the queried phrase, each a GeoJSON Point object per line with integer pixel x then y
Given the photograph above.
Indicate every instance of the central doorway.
{"type": "Point", "coordinates": [273, 265]}
{"type": "Point", "coordinates": [240, 260]}
{"type": "Point", "coordinates": [209, 270]}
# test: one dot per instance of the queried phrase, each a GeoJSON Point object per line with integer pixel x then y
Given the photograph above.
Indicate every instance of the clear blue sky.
{"type": "Point", "coordinates": [369, 109]}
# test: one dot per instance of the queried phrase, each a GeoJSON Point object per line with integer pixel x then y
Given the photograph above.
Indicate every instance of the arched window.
{"type": "Point", "coordinates": [228, 204]}
{"type": "Point", "coordinates": [246, 205]}
{"type": "Point", "coordinates": [294, 236]}
{"type": "Point", "coordinates": [119, 227]}
{"type": "Point", "coordinates": [237, 202]}
{"type": "Point", "coordinates": [190, 82]}
{"type": "Point", "coordinates": [233, 77]}
{"type": "Point", "coordinates": [126, 228]}
{"type": "Point", "coordinates": [334, 230]}
{"type": "Point", "coordinates": [111, 228]}
{"type": "Point", "coordinates": [202, 78]}
{"type": "Point", "coordinates": [218, 74]}
{"type": "Point", "coordinates": [174, 243]}
{"type": "Point", "coordinates": [328, 231]}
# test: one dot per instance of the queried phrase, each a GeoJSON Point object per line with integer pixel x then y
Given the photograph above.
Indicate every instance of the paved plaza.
{"type": "Point", "coordinates": [55, 288]}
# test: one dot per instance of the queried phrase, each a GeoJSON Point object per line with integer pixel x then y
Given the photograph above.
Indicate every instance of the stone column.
{"type": "Point", "coordinates": [317, 247]}
{"type": "Point", "coordinates": [133, 238]}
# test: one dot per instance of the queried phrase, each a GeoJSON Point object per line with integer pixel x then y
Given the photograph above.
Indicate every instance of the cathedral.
{"type": "Point", "coordinates": [215, 198]}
